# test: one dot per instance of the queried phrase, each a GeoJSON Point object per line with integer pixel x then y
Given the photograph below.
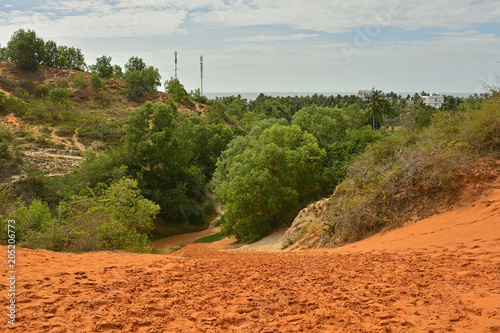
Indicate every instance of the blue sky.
{"type": "Point", "coordinates": [282, 45]}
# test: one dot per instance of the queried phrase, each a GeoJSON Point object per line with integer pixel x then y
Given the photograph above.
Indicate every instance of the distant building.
{"type": "Point", "coordinates": [434, 100]}
{"type": "Point", "coordinates": [365, 95]}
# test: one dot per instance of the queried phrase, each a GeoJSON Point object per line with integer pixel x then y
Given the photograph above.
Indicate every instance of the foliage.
{"type": "Point", "coordinates": [333, 130]}
{"type": "Point", "coordinates": [135, 64]}
{"type": "Point", "coordinates": [50, 54]}
{"type": "Point", "coordinates": [212, 238]}
{"type": "Point", "coordinates": [103, 67]}
{"type": "Point", "coordinates": [25, 49]}
{"type": "Point", "coordinates": [273, 108]}
{"type": "Point", "coordinates": [100, 129]}
{"type": "Point", "coordinates": [198, 97]}
{"type": "Point", "coordinates": [160, 145]}
{"type": "Point", "coordinates": [140, 78]}
{"type": "Point", "coordinates": [118, 219]}
{"type": "Point", "coordinates": [59, 95]}
{"type": "Point", "coordinates": [216, 113]}
{"type": "Point", "coordinates": [117, 71]}
{"type": "Point", "coordinates": [175, 89]}
{"type": "Point", "coordinates": [210, 141]}
{"type": "Point", "coordinates": [264, 179]}
{"type": "Point", "coordinates": [78, 81]}
{"type": "Point", "coordinates": [96, 82]}
{"type": "Point", "coordinates": [71, 58]}
{"type": "Point", "coordinates": [379, 108]}
{"type": "Point", "coordinates": [6, 139]}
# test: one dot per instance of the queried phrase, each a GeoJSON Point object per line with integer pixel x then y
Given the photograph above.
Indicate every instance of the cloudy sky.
{"type": "Point", "coordinates": [282, 45]}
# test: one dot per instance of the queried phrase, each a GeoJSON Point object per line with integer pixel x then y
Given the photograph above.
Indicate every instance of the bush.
{"type": "Point", "coordinates": [96, 82]}
{"type": "Point", "coordinates": [59, 95]}
{"type": "Point", "coordinates": [119, 219]}
{"type": "Point", "coordinates": [78, 81]}
{"type": "Point", "coordinates": [43, 90]}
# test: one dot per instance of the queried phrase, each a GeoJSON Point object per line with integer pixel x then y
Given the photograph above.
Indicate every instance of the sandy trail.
{"type": "Point", "coordinates": [184, 239]}
{"type": "Point", "coordinates": [438, 275]}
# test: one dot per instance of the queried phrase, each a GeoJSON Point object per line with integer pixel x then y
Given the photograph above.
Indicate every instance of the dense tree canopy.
{"type": "Point", "coordinates": [25, 49]}
{"type": "Point", "coordinates": [264, 180]}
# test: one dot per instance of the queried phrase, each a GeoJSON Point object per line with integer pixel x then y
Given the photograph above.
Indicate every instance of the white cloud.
{"type": "Point", "coordinates": [335, 16]}
{"type": "Point", "coordinates": [103, 23]}
{"type": "Point", "coordinates": [271, 38]}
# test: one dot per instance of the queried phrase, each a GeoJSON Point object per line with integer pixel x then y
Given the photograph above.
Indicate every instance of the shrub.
{"type": "Point", "coordinates": [43, 90]}
{"type": "Point", "coordinates": [59, 95]}
{"type": "Point", "coordinates": [78, 81]}
{"type": "Point", "coordinates": [96, 82]}
{"type": "Point", "coordinates": [118, 219]}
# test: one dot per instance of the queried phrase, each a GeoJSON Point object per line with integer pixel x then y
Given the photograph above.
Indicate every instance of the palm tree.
{"type": "Point", "coordinates": [380, 106]}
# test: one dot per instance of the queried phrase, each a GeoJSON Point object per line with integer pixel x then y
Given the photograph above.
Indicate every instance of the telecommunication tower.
{"type": "Point", "coordinates": [201, 73]}
{"type": "Point", "coordinates": [175, 54]}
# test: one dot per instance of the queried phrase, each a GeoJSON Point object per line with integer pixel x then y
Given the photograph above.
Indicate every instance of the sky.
{"type": "Point", "coordinates": [282, 45]}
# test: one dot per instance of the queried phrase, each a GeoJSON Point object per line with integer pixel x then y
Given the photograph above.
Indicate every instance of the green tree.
{"type": "Point", "coordinates": [25, 49]}
{"type": "Point", "coordinates": [135, 64]}
{"type": "Point", "coordinates": [70, 57]}
{"type": "Point", "coordinates": [237, 108]}
{"type": "Point", "coordinates": [379, 107]}
{"type": "Point", "coordinates": [50, 54]}
{"type": "Point", "coordinates": [160, 145]}
{"type": "Point", "coordinates": [103, 67]}
{"type": "Point", "coordinates": [263, 181]}
{"type": "Point", "coordinates": [273, 108]}
{"type": "Point", "coordinates": [175, 89]}
{"type": "Point", "coordinates": [140, 78]}
{"type": "Point", "coordinates": [198, 97]}
{"type": "Point", "coordinates": [117, 71]}
{"type": "Point", "coordinates": [210, 141]}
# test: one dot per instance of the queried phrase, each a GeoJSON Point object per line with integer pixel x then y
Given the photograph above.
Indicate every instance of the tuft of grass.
{"type": "Point", "coordinates": [212, 238]}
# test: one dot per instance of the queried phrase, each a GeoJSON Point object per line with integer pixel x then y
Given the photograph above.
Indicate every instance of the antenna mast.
{"type": "Point", "coordinates": [201, 73]}
{"type": "Point", "coordinates": [175, 53]}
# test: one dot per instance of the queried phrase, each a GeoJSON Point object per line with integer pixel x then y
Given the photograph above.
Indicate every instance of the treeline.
{"type": "Point", "coordinates": [29, 52]}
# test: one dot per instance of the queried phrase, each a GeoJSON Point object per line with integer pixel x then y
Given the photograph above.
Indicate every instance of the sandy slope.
{"type": "Point", "coordinates": [441, 274]}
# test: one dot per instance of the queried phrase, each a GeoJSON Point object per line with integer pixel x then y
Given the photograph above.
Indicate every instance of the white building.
{"type": "Point", "coordinates": [434, 100]}
{"type": "Point", "coordinates": [365, 95]}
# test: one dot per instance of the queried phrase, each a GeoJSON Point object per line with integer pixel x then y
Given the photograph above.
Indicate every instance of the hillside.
{"type": "Point", "coordinates": [436, 275]}
{"type": "Point", "coordinates": [53, 140]}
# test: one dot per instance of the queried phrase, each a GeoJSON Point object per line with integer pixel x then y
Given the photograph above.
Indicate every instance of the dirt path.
{"type": "Point", "coordinates": [184, 239]}
{"type": "Point", "coordinates": [438, 275]}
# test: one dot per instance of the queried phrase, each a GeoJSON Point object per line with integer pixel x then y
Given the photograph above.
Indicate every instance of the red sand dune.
{"type": "Point", "coordinates": [438, 275]}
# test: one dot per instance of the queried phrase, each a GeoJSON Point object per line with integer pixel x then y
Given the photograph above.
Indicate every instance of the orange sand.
{"type": "Point", "coordinates": [439, 275]}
